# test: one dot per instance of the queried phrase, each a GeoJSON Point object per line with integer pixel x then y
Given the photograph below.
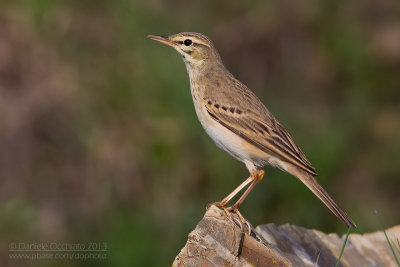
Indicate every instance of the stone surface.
{"type": "Point", "coordinates": [218, 241]}
{"type": "Point", "coordinates": [303, 247]}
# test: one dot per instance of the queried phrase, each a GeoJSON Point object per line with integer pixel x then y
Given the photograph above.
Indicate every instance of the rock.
{"type": "Point", "coordinates": [219, 241]}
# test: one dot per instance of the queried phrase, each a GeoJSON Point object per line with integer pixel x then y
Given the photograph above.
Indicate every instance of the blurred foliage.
{"type": "Point", "coordinates": [99, 140]}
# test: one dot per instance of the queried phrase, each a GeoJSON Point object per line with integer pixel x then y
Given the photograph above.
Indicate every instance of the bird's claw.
{"type": "Point", "coordinates": [233, 209]}
{"type": "Point", "coordinates": [242, 219]}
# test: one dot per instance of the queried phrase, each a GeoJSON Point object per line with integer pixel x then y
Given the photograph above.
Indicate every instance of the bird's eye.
{"type": "Point", "coordinates": [187, 42]}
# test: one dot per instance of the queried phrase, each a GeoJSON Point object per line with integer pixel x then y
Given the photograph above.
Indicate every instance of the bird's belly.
{"type": "Point", "coordinates": [224, 138]}
{"type": "Point", "coordinates": [235, 145]}
{"type": "Point", "coordinates": [227, 140]}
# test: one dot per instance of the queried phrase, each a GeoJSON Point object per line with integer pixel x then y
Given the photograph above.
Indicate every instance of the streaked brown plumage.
{"type": "Point", "coordinates": [239, 123]}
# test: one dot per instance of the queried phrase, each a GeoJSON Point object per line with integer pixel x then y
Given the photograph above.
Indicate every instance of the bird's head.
{"type": "Point", "coordinates": [195, 48]}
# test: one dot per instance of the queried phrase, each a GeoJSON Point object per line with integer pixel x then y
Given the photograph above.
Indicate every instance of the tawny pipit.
{"type": "Point", "coordinates": [239, 123]}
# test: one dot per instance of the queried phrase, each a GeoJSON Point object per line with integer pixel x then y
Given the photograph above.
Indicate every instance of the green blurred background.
{"type": "Point", "coordinates": [99, 140]}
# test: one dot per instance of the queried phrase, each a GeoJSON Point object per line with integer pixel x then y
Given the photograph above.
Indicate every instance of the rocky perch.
{"type": "Point", "coordinates": [216, 241]}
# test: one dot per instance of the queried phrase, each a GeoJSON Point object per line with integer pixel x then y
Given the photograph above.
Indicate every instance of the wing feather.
{"type": "Point", "coordinates": [266, 134]}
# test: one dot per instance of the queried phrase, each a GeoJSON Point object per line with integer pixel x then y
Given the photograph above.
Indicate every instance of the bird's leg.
{"type": "Point", "coordinates": [258, 178]}
{"type": "Point", "coordinates": [223, 202]}
{"type": "Point", "coordinates": [235, 207]}
{"type": "Point", "coordinates": [254, 178]}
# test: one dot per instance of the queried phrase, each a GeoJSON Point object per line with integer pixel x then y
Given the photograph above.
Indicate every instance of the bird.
{"type": "Point", "coordinates": [239, 123]}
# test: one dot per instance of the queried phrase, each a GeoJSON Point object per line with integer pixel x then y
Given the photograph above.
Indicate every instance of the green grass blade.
{"type": "Point", "coordinates": [387, 240]}
{"type": "Point", "coordinates": [397, 246]}
{"type": "Point", "coordinates": [391, 248]}
{"type": "Point", "coordinates": [343, 246]}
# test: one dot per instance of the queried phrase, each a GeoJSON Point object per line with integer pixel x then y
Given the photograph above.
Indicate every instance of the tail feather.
{"type": "Point", "coordinates": [320, 192]}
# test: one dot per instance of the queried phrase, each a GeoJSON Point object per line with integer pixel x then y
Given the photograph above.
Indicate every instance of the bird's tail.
{"type": "Point", "coordinates": [320, 192]}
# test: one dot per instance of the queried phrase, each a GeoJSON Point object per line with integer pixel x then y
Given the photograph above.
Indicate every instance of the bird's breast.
{"type": "Point", "coordinates": [224, 138]}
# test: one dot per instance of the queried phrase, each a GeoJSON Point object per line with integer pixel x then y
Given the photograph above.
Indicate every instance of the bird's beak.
{"type": "Point", "coordinates": [161, 39]}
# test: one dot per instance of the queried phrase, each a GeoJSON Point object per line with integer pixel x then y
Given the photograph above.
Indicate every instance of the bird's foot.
{"type": "Point", "coordinates": [219, 204]}
{"type": "Point", "coordinates": [234, 209]}
{"type": "Point", "coordinates": [228, 214]}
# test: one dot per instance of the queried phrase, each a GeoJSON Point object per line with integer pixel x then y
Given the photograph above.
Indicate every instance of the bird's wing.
{"type": "Point", "coordinates": [262, 130]}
